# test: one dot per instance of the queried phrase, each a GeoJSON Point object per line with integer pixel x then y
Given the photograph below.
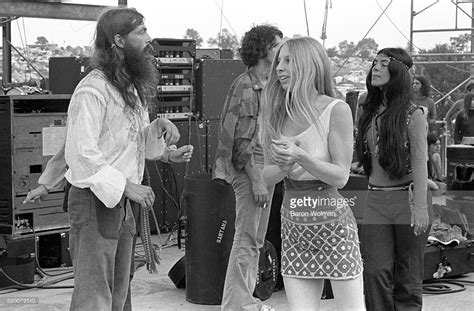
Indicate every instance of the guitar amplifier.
{"type": "Point", "coordinates": [16, 260]}
{"type": "Point", "coordinates": [66, 72]}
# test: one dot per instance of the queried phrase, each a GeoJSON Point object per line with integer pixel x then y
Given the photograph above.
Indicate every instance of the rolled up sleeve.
{"type": "Point", "coordinates": [53, 175]}
{"type": "Point", "coordinates": [226, 136]}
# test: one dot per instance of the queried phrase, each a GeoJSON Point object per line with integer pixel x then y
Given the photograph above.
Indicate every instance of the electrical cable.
{"type": "Point", "coordinates": [38, 285]}
{"type": "Point", "coordinates": [393, 24]}
{"type": "Point", "coordinates": [228, 23]}
{"type": "Point", "coordinates": [220, 24]}
{"type": "Point", "coordinates": [444, 286]}
{"type": "Point", "coordinates": [22, 56]}
{"type": "Point", "coordinates": [306, 17]}
{"type": "Point", "coordinates": [398, 29]}
{"type": "Point", "coordinates": [163, 188]}
{"type": "Point", "coordinates": [27, 50]}
{"type": "Point", "coordinates": [206, 124]}
{"type": "Point", "coordinates": [358, 44]}
{"type": "Point", "coordinates": [22, 44]}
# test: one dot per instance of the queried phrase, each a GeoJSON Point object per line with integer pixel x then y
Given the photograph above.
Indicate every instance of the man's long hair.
{"type": "Point", "coordinates": [310, 75]}
{"type": "Point", "coordinates": [397, 94]}
{"type": "Point", "coordinates": [110, 59]}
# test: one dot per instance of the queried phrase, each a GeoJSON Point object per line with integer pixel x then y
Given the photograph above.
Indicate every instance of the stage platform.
{"type": "Point", "coordinates": [157, 291]}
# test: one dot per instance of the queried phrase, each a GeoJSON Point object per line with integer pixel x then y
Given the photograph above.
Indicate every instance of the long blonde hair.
{"type": "Point", "coordinates": [310, 74]}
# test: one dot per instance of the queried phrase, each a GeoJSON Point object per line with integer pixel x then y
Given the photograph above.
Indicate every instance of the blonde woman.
{"type": "Point", "coordinates": [307, 139]}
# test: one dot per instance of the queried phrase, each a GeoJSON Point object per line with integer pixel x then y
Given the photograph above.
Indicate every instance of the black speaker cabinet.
{"type": "Point", "coordinates": [213, 80]}
{"type": "Point", "coordinates": [53, 249]}
{"type": "Point", "coordinates": [460, 177]}
{"type": "Point", "coordinates": [17, 260]}
{"type": "Point", "coordinates": [66, 72]}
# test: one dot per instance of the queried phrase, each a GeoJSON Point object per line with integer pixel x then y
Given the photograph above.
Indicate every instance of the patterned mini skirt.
{"type": "Point", "coordinates": [319, 233]}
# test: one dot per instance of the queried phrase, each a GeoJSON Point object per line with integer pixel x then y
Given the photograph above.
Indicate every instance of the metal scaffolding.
{"type": "Point", "coordinates": [430, 56]}
{"type": "Point", "coordinates": [9, 10]}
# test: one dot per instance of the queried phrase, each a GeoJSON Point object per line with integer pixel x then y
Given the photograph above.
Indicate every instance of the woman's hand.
{"type": "Point", "coordinates": [419, 220]}
{"type": "Point", "coordinates": [285, 153]}
{"type": "Point", "coordinates": [182, 154]}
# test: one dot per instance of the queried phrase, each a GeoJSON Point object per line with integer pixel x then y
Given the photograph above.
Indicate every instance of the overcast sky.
{"type": "Point", "coordinates": [347, 20]}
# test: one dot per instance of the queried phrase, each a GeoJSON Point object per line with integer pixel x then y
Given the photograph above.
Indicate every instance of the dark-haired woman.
{"type": "Point", "coordinates": [421, 97]}
{"type": "Point", "coordinates": [464, 126]}
{"type": "Point", "coordinates": [391, 145]}
{"type": "Point", "coordinates": [435, 171]}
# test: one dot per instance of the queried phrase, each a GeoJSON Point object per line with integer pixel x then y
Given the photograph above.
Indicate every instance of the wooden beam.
{"type": "Point", "coordinates": [52, 10]}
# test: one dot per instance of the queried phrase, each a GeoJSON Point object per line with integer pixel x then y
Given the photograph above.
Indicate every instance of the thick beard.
{"type": "Point", "coordinates": [139, 65]}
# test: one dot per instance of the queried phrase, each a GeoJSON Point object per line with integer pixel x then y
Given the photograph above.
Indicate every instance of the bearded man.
{"type": "Point", "coordinates": [107, 132]}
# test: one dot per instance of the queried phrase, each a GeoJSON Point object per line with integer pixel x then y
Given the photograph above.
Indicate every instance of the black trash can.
{"type": "Point", "coordinates": [209, 209]}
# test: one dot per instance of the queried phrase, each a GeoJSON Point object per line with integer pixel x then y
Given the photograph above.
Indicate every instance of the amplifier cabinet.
{"type": "Point", "coordinates": [32, 129]}
{"type": "Point", "coordinates": [52, 249]}
{"type": "Point", "coordinates": [174, 63]}
{"type": "Point", "coordinates": [213, 80]}
{"type": "Point", "coordinates": [17, 260]}
{"type": "Point", "coordinates": [460, 177]}
{"type": "Point", "coordinates": [66, 72]}
{"type": "Point", "coordinates": [216, 53]}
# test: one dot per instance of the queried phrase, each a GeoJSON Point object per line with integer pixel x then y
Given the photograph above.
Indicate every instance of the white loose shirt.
{"type": "Point", "coordinates": [105, 141]}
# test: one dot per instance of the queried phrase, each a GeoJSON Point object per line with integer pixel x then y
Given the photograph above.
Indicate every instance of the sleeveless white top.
{"type": "Point", "coordinates": [315, 141]}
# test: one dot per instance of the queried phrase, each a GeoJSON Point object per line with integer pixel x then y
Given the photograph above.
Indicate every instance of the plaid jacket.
{"type": "Point", "coordinates": [238, 128]}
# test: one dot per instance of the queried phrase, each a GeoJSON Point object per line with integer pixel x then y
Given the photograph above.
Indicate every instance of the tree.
{"type": "Point", "coordinates": [41, 40]}
{"type": "Point", "coordinates": [193, 34]}
{"type": "Point", "coordinates": [462, 44]}
{"type": "Point", "coordinates": [367, 48]}
{"type": "Point", "coordinates": [346, 49]}
{"type": "Point", "coordinates": [444, 77]}
{"type": "Point", "coordinates": [225, 40]}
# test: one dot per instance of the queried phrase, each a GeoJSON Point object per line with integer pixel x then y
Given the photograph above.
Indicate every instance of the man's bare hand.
{"type": "Point", "coordinates": [140, 194]}
{"type": "Point", "coordinates": [260, 192]}
{"type": "Point", "coordinates": [36, 195]}
{"type": "Point", "coordinates": [166, 127]}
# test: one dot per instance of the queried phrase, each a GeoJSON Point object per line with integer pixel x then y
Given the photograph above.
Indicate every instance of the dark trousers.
{"type": "Point", "coordinates": [392, 253]}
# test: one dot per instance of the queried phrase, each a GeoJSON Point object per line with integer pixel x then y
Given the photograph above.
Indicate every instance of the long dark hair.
{"type": "Point", "coordinates": [110, 59]}
{"type": "Point", "coordinates": [425, 88]}
{"type": "Point", "coordinates": [397, 94]}
{"type": "Point", "coordinates": [467, 105]}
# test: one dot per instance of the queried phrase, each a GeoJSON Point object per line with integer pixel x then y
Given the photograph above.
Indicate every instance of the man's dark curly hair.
{"type": "Point", "coordinates": [255, 43]}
